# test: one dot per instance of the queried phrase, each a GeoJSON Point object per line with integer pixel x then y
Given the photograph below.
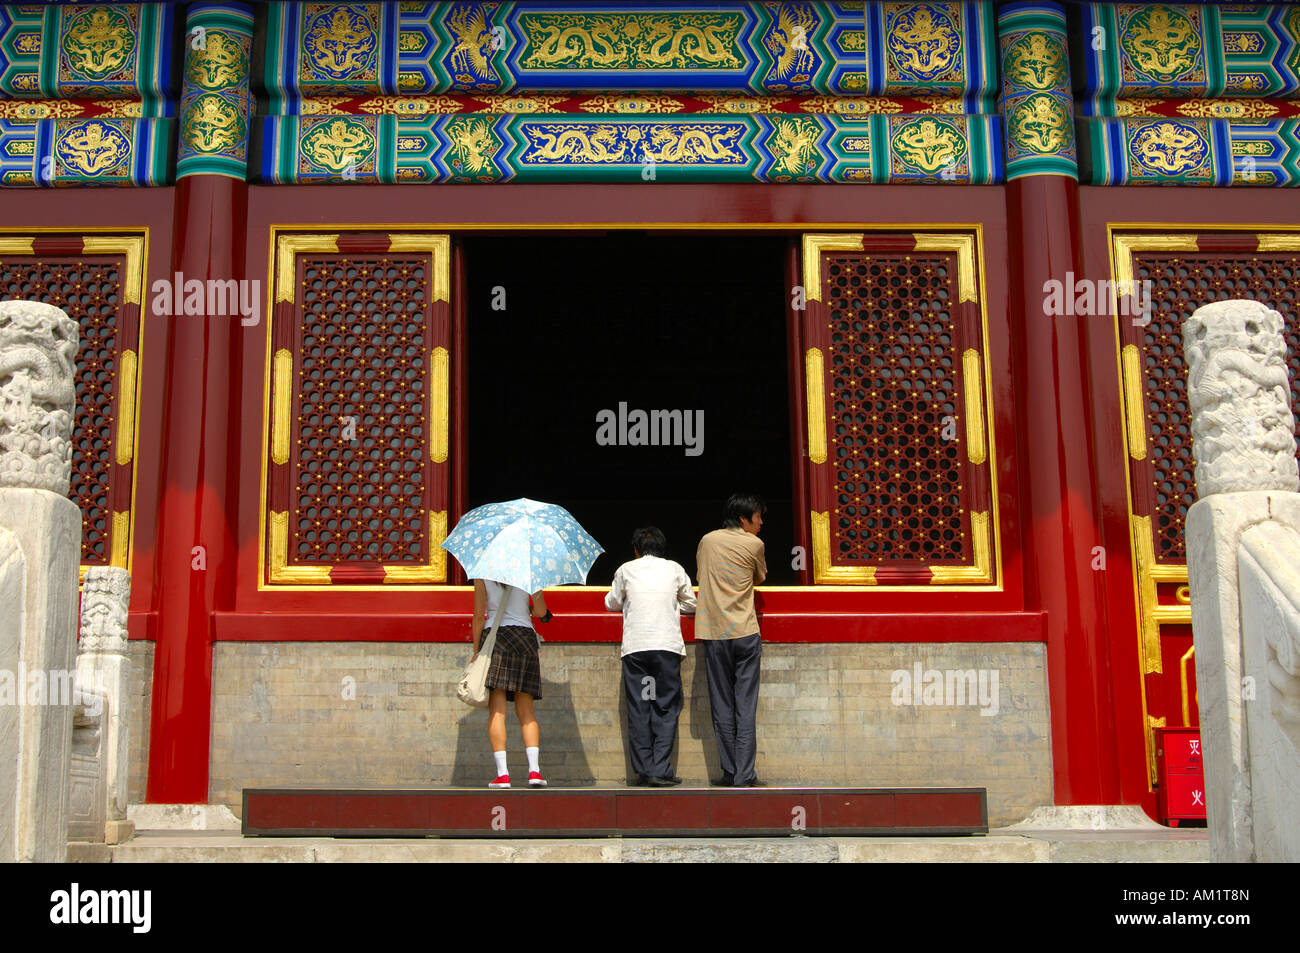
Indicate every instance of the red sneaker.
{"type": "Point", "coordinates": [502, 782]}
{"type": "Point", "coordinates": [535, 780]}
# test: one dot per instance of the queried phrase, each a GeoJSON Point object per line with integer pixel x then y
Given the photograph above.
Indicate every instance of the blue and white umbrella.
{"type": "Point", "coordinates": [523, 543]}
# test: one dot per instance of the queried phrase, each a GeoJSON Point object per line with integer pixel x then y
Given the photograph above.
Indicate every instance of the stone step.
{"type": "Point", "coordinates": [1135, 846]}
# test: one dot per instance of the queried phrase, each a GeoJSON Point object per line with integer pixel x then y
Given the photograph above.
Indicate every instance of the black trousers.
{"type": "Point", "coordinates": [653, 683]}
{"type": "Point", "coordinates": [733, 667]}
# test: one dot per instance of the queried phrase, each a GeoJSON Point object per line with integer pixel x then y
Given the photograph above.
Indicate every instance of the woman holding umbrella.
{"type": "Point", "coordinates": [509, 550]}
{"type": "Point", "coordinates": [515, 673]}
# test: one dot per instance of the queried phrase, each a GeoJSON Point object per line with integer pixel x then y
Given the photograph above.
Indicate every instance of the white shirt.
{"type": "Point", "coordinates": [516, 605]}
{"type": "Point", "coordinates": [652, 592]}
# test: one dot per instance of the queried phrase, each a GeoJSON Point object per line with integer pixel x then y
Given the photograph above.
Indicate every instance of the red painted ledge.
{"type": "Point", "coordinates": [142, 625]}
{"type": "Point", "coordinates": [606, 812]}
{"type": "Point", "coordinates": [809, 627]}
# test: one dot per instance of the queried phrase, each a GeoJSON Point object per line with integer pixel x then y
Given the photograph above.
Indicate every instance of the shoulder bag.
{"type": "Point", "coordinates": [472, 688]}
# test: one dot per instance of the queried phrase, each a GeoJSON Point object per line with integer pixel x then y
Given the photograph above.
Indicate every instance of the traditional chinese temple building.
{"type": "Point", "coordinates": [914, 272]}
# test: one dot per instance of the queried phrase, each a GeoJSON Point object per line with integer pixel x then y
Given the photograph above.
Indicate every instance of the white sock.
{"type": "Point", "coordinates": [500, 758]}
{"type": "Point", "coordinates": [532, 760]}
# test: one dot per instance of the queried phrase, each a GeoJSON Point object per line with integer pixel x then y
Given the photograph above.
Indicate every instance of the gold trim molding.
{"type": "Point", "coordinates": [1152, 724]}
{"type": "Point", "coordinates": [1279, 242]}
{"type": "Point", "coordinates": [1151, 613]}
{"type": "Point", "coordinates": [282, 405]}
{"type": "Point", "coordinates": [1182, 680]}
{"type": "Point", "coordinates": [1126, 246]}
{"type": "Point", "coordinates": [437, 245]}
{"type": "Point", "coordinates": [982, 549]}
{"type": "Point", "coordinates": [823, 571]}
{"type": "Point", "coordinates": [813, 246]}
{"type": "Point", "coordinates": [281, 571]}
{"type": "Point", "coordinates": [973, 387]}
{"type": "Point", "coordinates": [439, 436]}
{"type": "Point", "coordinates": [980, 572]}
{"type": "Point", "coordinates": [815, 386]}
{"type": "Point", "coordinates": [964, 246]}
{"type": "Point", "coordinates": [435, 570]}
{"type": "Point", "coordinates": [1134, 409]}
{"type": "Point", "coordinates": [287, 249]}
{"type": "Point", "coordinates": [124, 439]}
{"type": "Point", "coordinates": [17, 245]}
{"type": "Point", "coordinates": [130, 246]}
{"type": "Point", "coordinates": [120, 551]}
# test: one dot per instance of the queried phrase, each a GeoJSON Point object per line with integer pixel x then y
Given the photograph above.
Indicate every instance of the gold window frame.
{"type": "Point", "coordinates": [274, 571]}
{"type": "Point", "coordinates": [985, 571]}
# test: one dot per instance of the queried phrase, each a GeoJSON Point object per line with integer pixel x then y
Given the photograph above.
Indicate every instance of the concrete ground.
{"type": "Point", "coordinates": [1160, 845]}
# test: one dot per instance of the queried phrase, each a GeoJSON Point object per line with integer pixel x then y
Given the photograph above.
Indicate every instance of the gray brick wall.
{"type": "Point", "coordinates": [826, 716]}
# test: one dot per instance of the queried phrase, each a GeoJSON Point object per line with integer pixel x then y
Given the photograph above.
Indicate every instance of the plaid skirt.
{"type": "Point", "coordinates": [515, 665]}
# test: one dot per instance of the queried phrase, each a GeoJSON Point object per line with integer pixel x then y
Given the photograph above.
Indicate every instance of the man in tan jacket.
{"type": "Point", "coordinates": [730, 562]}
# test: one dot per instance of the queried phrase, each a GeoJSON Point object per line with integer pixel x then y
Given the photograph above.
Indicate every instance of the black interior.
{"type": "Point", "coordinates": [658, 321]}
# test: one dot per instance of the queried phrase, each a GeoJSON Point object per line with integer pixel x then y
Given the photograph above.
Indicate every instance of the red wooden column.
{"type": "Point", "coordinates": [1054, 437]}
{"type": "Point", "coordinates": [195, 567]}
{"type": "Point", "coordinates": [1061, 501]}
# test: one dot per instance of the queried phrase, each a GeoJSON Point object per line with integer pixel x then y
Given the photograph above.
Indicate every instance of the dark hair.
{"type": "Point", "coordinates": [650, 541]}
{"type": "Point", "coordinates": [742, 504]}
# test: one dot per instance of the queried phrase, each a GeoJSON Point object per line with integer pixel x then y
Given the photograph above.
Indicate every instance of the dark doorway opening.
{"type": "Point", "coordinates": [620, 322]}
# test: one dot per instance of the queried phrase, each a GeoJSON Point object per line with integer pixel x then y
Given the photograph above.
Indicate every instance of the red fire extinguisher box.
{"type": "Point", "coordinates": [1180, 791]}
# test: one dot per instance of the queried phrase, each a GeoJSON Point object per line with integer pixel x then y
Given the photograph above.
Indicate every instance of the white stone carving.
{"type": "Point", "coordinates": [105, 598]}
{"type": "Point", "coordinates": [103, 670]}
{"type": "Point", "coordinates": [38, 348]}
{"type": "Point", "coordinates": [88, 770]}
{"type": "Point", "coordinates": [1243, 433]}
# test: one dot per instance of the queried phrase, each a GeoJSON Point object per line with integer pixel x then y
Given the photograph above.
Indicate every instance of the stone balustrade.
{"type": "Point", "coordinates": [40, 551]}
{"type": "Point", "coordinates": [1243, 563]}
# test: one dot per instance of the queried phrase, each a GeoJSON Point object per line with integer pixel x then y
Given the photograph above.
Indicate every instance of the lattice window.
{"type": "Point", "coordinates": [899, 480]}
{"type": "Point", "coordinates": [1181, 284]}
{"type": "Point", "coordinates": [363, 348]}
{"type": "Point", "coordinates": [94, 291]}
{"type": "Point", "coordinates": [359, 410]}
